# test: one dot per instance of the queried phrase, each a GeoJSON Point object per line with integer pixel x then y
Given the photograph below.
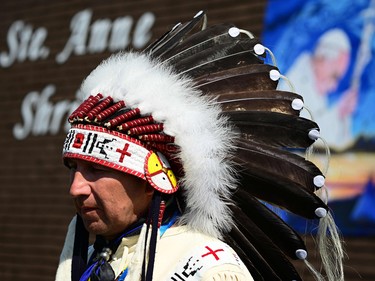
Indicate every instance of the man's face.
{"type": "Point", "coordinates": [328, 72]}
{"type": "Point", "coordinates": [107, 200]}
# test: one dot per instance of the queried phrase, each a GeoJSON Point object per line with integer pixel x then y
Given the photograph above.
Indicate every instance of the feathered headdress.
{"type": "Point", "coordinates": [205, 100]}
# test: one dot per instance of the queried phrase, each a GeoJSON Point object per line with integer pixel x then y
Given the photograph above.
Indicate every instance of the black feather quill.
{"type": "Point", "coordinates": [264, 245]}
{"type": "Point", "coordinates": [198, 42]}
{"type": "Point", "coordinates": [273, 128]}
{"type": "Point", "coordinates": [256, 258]}
{"type": "Point", "coordinates": [245, 257]}
{"type": "Point", "coordinates": [285, 237]}
{"type": "Point", "coordinates": [271, 101]}
{"type": "Point", "coordinates": [176, 35]}
{"type": "Point", "coordinates": [215, 57]}
{"type": "Point", "coordinates": [267, 177]}
{"type": "Point", "coordinates": [255, 79]}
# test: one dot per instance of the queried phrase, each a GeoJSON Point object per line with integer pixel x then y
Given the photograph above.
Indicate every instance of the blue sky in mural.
{"type": "Point", "coordinates": [293, 27]}
{"type": "Point", "coordinates": [315, 39]}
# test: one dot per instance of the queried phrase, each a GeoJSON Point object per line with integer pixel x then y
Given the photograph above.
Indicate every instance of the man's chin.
{"type": "Point", "coordinates": [95, 227]}
{"type": "Point", "coordinates": [93, 223]}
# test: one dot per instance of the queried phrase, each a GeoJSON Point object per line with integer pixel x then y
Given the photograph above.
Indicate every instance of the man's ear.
{"type": "Point", "coordinates": [149, 189]}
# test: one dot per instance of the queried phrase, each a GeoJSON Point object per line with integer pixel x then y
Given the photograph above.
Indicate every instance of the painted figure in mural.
{"type": "Point", "coordinates": [170, 163]}
{"type": "Point", "coordinates": [317, 74]}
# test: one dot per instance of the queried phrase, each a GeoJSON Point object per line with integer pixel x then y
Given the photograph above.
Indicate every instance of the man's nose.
{"type": "Point", "coordinates": [79, 185]}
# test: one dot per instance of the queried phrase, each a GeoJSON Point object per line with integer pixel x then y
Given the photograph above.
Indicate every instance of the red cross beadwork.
{"type": "Point", "coordinates": [124, 152]}
{"type": "Point", "coordinates": [212, 252]}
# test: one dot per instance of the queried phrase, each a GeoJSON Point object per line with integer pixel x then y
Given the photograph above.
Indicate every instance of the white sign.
{"type": "Point", "coordinates": [24, 43]}
{"type": "Point", "coordinates": [104, 34]}
{"type": "Point", "coordinates": [39, 115]}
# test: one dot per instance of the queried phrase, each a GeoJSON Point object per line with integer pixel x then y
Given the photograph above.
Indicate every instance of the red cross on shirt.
{"type": "Point", "coordinates": [124, 152]}
{"type": "Point", "coordinates": [212, 252]}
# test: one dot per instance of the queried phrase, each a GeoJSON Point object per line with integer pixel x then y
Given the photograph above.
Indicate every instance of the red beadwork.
{"type": "Point", "coordinates": [74, 113]}
{"type": "Point", "coordinates": [121, 118]}
{"type": "Point", "coordinates": [90, 103]}
{"type": "Point", "coordinates": [109, 111]}
{"type": "Point", "coordinates": [85, 107]}
{"type": "Point", "coordinates": [164, 147]}
{"type": "Point", "coordinates": [157, 138]}
{"type": "Point", "coordinates": [161, 213]}
{"type": "Point", "coordinates": [136, 122]}
{"type": "Point", "coordinates": [140, 130]}
{"type": "Point", "coordinates": [100, 107]}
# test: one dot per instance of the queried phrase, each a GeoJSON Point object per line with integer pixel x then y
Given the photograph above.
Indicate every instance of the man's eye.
{"type": "Point", "coordinates": [98, 168]}
{"type": "Point", "coordinates": [70, 165]}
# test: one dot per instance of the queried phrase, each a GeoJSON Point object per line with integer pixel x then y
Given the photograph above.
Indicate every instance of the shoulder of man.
{"type": "Point", "coordinates": [194, 256]}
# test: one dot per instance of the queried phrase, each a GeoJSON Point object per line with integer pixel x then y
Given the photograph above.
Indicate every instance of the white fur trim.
{"type": "Point", "coordinates": [202, 133]}
{"type": "Point", "coordinates": [64, 270]}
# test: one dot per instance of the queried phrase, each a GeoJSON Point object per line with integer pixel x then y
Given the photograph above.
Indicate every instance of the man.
{"type": "Point", "coordinates": [316, 75]}
{"type": "Point", "coordinates": [167, 177]}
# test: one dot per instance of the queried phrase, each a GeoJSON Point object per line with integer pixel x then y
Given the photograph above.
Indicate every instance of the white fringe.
{"type": "Point", "coordinates": [135, 265]}
{"type": "Point", "coordinates": [330, 248]}
{"type": "Point", "coordinates": [328, 238]}
{"type": "Point", "coordinates": [315, 273]}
